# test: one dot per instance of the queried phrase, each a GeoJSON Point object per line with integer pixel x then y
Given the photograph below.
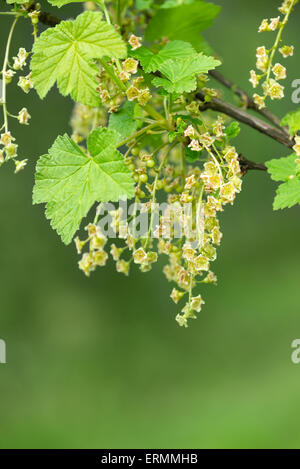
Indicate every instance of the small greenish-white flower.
{"type": "Point", "coordinates": [130, 241]}
{"type": "Point", "coordinates": [194, 145]}
{"type": "Point", "coordinates": [11, 150]}
{"type": "Point", "coordinates": [144, 96]}
{"type": "Point", "coordinates": [193, 107]}
{"type": "Point", "coordinates": [34, 16]}
{"type": "Point", "coordinates": [134, 42]}
{"type": "Point", "coordinates": [140, 256]}
{"type": "Point", "coordinates": [284, 8]}
{"type": "Point", "coordinates": [132, 93]}
{"type": "Point", "coordinates": [6, 139]}
{"type": "Point", "coordinates": [104, 96]}
{"type": "Point", "coordinates": [218, 127]}
{"type": "Point", "coordinates": [122, 267]}
{"type": "Point", "coordinates": [20, 60]}
{"type": "Point", "coordinates": [261, 52]}
{"type": "Point", "coordinates": [196, 303]}
{"type": "Point", "coordinates": [182, 320]}
{"type": "Point", "coordinates": [274, 89]}
{"type": "Point", "coordinates": [176, 295]}
{"type": "Point", "coordinates": [262, 59]}
{"type": "Point", "coordinates": [25, 83]}
{"type": "Point", "coordinates": [189, 131]}
{"type": "Point", "coordinates": [214, 203]}
{"type": "Point", "coordinates": [188, 253]}
{"type": "Point", "coordinates": [210, 168]}
{"type": "Point", "coordinates": [279, 71]}
{"type": "Point", "coordinates": [210, 278]}
{"type": "Point", "coordinates": [130, 65]}
{"type": "Point", "coordinates": [287, 51]}
{"type": "Point", "coordinates": [190, 182]}
{"type": "Point", "coordinates": [138, 82]}
{"type": "Point", "coordinates": [206, 140]}
{"type": "Point", "coordinates": [201, 263]}
{"type": "Point", "coordinates": [8, 76]}
{"type": "Point", "coordinates": [216, 236]}
{"type": "Point", "coordinates": [86, 264]}
{"type": "Point", "coordinates": [296, 147]}
{"type": "Point", "coordinates": [79, 244]}
{"type": "Point", "coordinates": [20, 165]}
{"type": "Point", "coordinates": [274, 23]}
{"type": "Point", "coordinates": [124, 76]}
{"type": "Point", "coordinates": [210, 252]}
{"type": "Point", "coordinates": [1, 157]}
{"type": "Point", "coordinates": [264, 26]}
{"type": "Point", "coordinates": [151, 257]}
{"type": "Point", "coordinates": [183, 279]}
{"type": "Point", "coordinates": [98, 242]}
{"type": "Point", "coordinates": [115, 252]}
{"type": "Point", "coordinates": [92, 229]}
{"type": "Point", "coordinates": [253, 79]}
{"type": "Point", "coordinates": [24, 116]}
{"type": "Point", "coordinates": [100, 257]}
{"type": "Point", "coordinates": [228, 192]}
{"type": "Point", "coordinates": [259, 101]}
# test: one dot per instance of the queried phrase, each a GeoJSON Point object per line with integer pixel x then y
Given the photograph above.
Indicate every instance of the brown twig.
{"type": "Point", "coordinates": [247, 100]}
{"type": "Point", "coordinates": [247, 165]}
{"type": "Point", "coordinates": [242, 116]}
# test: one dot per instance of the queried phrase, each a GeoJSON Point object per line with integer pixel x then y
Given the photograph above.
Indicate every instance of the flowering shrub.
{"type": "Point", "coordinates": [146, 126]}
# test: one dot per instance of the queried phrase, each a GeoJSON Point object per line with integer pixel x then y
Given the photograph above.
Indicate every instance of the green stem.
{"type": "Point", "coordinates": [278, 39]}
{"type": "Point", "coordinates": [153, 113]}
{"type": "Point", "coordinates": [4, 68]}
{"type": "Point", "coordinates": [136, 134]}
{"type": "Point", "coordinates": [112, 75]}
{"type": "Point", "coordinates": [164, 160]}
{"type": "Point", "coordinates": [119, 12]}
{"type": "Point", "coordinates": [105, 10]}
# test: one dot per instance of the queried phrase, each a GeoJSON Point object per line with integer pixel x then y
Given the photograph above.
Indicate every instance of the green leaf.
{"type": "Point", "coordinates": [191, 156]}
{"type": "Point", "coordinates": [292, 120]}
{"type": "Point", "coordinates": [173, 50]}
{"type": "Point", "coordinates": [288, 194]}
{"type": "Point", "coordinates": [123, 121]}
{"type": "Point", "coordinates": [175, 3]}
{"type": "Point", "coordinates": [143, 4]}
{"type": "Point", "coordinates": [233, 130]}
{"type": "Point", "coordinates": [64, 54]}
{"type": "Point", "coordinates": [61, 3]}
{"type": "Point", "coordinates": [184, 22]}
{"type": "Point", "coordinates": [70, 181]}
{"type": "Point", "coordinates": [283, 168]}
{"type": "Point", "coordinates": [14, 1]}
{"type": "Point", "coordinates": [181, 73]}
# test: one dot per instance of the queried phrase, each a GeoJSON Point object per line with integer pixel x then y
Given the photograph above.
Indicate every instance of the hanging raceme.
{"type": "Point", "coordinates": [151, 152]}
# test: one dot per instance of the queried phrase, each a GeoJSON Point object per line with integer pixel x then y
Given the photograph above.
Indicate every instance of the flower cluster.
{"type": "Point", "coordinates": [272, 73]}
{"type": "Point", "coordinates": [188, 230]}
{"type": "Point", "coordinates": [8, 151]}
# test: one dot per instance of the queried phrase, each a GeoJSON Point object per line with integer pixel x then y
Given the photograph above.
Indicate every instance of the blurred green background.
{"type": "Point", "coordinates": [100, 362]}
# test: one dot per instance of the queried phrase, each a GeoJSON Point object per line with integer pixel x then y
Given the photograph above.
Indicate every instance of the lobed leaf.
{"type": "Point", "coordinates": [173, 50]}
{"type": "Point", "coordinates": [70, 181]}
{"type": "Point", "coordinates": [283, 169]}
{"type": "Point", "coordinates": [288, 194]}
{"type": "Point", "coordinates": [292, 120]}
{"type": "Point", "coordinates": [65, 54]}
{"type": "Point", "coordinates": [184, 22]}
{"type": "Point", "coordinates": [181, 73]}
